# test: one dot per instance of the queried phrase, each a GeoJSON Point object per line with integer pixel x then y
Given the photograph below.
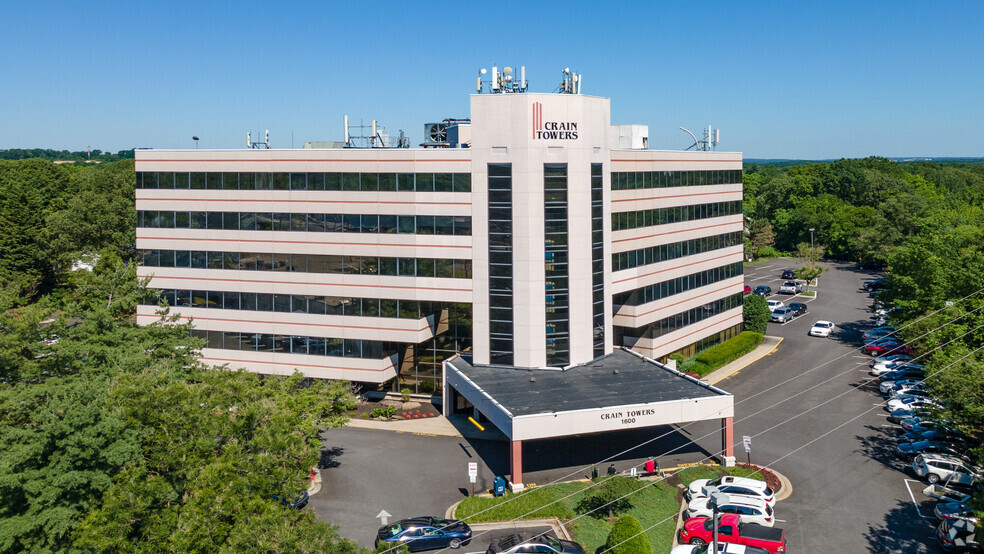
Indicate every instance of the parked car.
{"type": "Point", "coordinates": [883, 346]}
{"type": "Point", "coordinates": [958, 536]}
{"type": "Point", "coordinates": [783, 314]}
{"type": "Point", "coordinates": [909, 402]}
{"type": "Point", "coordinates": [880, 369]}
{"type": "Point", "coordinates": [953, 435]}
{"type": "Point", "coordinates": [867, 265]}
{"type": "Point", "coordinates": [425, 533]}
{"type": "Point", "coordinates": [903, 373]}
{"type": "Point", "coordinates": [821, 329]}
{"type": "Point", "coordinates": [798, 308]}
{"type": "Point", "coordinates": [723, 548]}
{"type": "Point", "coordinates": [885, 386]}
{"type": "Point", "coordinates": [748, 290]}
{"type": "Point", "coordinates": [949, 470]}
{"type": "Point", "coordinates": [748, 510]}
{"type": "Point", "coordinates": [877, 284]}
{"type": "Point", "coordinates": [955, 510]}
{"type": "Point", "coordinates": [788, 274]}
{"type": "Point", "coordinates": [699, 530]}
{"type": "Point", "coordinates": [877, 333]}
{"type": "Point", "coordinates": [762, 290]}
{"type": "Point", "coordinates": [732, 486]}
{"type": "Point", "coordinates": [773, 304]}
{"type": "Point", "coordinates": [909, 450]}
{"type": "Point", "coordinates": [790, 287]}
{"type": "Point", "coordinates": [890, 358]}
{"type": "Point", "coordinates": [539, 543]}
{"type": "Point", "coordinates": [912, 390]}
{"type": "Point", "coordinates": [920, 424]}
{"type": "Point", "coordinates": [898, 415]}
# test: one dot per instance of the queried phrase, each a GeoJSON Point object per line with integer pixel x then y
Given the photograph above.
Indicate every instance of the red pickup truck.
{"type": "Point", "coordinates": [699, 530]}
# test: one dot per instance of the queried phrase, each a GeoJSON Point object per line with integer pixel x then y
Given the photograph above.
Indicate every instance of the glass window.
{"type": "Point", "coordinates": [281, 302]}
{"type": "Point", "coordinates": [298, 262]}
{"type": "Point", "coordinates": [350, 181]}
{"type": "Point", "coordinates": [406, 224]}
{"type": "Point", "coordinates": [298, 222]}
{"type": "Point", "coordinates": [425, 182]}
{"type": "Point", "coordinates": [425, 225]}
{"type": "Point", "coordinates": [281, 181]}
{"type": "Point", "coordinates": [333, 181]}
{"type": "Point", "coordinates": [316, 263]}
{"type": "Point", "coordinates": [316, 223]}
{"type": "Point", "coordinates": [443, 225]}
{"type": "Point", "coordinates": [213, 180]}
{"type": "Point", "coordinates": [181, 220]}
{"type": "Point", "coordinates": [462, 182]}
{"type": "Point", "coordinates": [316, 181]}
{"type": "Point", "coordinates": [387, 181]}
{"type": "Point", "coordinates": [197, 180]}
{"type": "Point", "coordinates": [405, 181]}
{"type": "Point", "coordinates": [408, 266]}
{"type": "Point", "coordinates": [298, 181]}
{"type": "Point", "coordinates": [281, 261]}
{"type": "Point", "coordinates": [370, 223]}
{"type": "Point", "coordinates": [370, 181]}
{"type": "Point", "coordinates": [388, 266]}
{"type": "Point", "coordinates": [443, 182]}
{"type": "Point", "coordinates": [352, 223]}
{"type": "Point", "coordinates": [387, 224]}
{"type": "Point", "coordinates": [425, 267]}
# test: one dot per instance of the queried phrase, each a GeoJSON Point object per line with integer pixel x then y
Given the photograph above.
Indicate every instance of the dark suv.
{"type": "Point", "coordinates": [763, 290]}
{"type": "Point", "coordinates": [541, 544]}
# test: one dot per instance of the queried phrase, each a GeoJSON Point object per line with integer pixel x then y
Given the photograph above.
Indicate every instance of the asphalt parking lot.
{"type": "Point", "coordinates": [800, 405]}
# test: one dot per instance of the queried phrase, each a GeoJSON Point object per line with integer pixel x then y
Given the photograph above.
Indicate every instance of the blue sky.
{"type": "Point", "coordinates": [810, 80]}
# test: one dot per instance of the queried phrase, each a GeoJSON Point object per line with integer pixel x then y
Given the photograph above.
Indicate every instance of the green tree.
{"type": "Point", "coordinates": [613, 496]}
{"type": "Point", "coordinates": [628, 537]}
{"type": "Point", "coordinates": [756, 313]}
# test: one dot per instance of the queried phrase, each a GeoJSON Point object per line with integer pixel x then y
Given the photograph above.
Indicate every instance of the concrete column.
{"type": "Point", "coordinates": [516, 464]}
{"type": "Point", "coordinates": [728, 441]}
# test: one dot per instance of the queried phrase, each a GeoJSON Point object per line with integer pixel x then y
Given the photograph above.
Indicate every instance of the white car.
{"type": "Point", "coordinates": [773, 304]}
{"type": "Point", "coordinates": [914, 390]}
{"type": "Point", "coordinates": [723, 548]}
{"type": "Point", "coordinates": [822, 329]}
{"type": "Point", "coordinates": [732, 486]}
{"type": "Point", "coordinates": [881, 369]}
{"type": "Point", "coordinates": [749, 510]}
{"type": "Point", "coordinates": [890, 358]}
{"type": "Point", "coordinates": [938, 468]}
{"type": "Point", "coordinates": [886, 387]}
{"type": "Point", "coordinates": [910, 402]}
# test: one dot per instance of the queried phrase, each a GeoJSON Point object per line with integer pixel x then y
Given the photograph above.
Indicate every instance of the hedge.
{"type": "Point", "coordinates": [628, 537]}
{"type": "Point", "coordinates": [728, 351]}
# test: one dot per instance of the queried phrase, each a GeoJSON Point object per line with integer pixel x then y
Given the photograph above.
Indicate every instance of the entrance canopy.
{"type": "Point", "coordinates": [622, 390]}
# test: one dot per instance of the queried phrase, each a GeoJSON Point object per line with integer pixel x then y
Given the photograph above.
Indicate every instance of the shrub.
{"type": "Point", "coordinates": [628, 537]}
{"type": "Point", "coordinates": [405, 393]}
{"type": "Point", "coordinates": [388, 411]}
{"type": "Point", "coordinates": [756, 313]}
{"type": "Point", "coordinates": [767, 252]}
{"type": "Point", "coordinates": [730, 350]}
{"type": "Point", "coordinates": [610, 498]}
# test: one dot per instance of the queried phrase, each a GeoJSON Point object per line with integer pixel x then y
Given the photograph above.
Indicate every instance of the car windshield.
{"type": "Point", "coordinates": [552, 541]}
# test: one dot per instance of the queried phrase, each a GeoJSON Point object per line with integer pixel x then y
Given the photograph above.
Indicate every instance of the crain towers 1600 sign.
{"type": "Point", "coordinates": [560, 130]}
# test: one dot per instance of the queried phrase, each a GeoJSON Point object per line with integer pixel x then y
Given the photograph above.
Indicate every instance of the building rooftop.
{"type": "Point", "coordinates": [590, 386]}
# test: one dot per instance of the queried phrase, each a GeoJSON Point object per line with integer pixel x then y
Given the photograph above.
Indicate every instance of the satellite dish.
{"type": "Point", "coordinates": [507, 70]}
{"type": "Point", "coordinates": [483, 71]}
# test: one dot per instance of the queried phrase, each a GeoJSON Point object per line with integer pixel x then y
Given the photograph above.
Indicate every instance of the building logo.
{"type": "Point", "coordinates": [557, 130]}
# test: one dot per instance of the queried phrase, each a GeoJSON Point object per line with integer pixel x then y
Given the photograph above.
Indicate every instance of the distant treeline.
{"type": "Point", "coordinates": [64, 155]}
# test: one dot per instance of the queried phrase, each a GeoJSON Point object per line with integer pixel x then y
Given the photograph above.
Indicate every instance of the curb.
{"type": "Point", "coordinates": [315, 486]}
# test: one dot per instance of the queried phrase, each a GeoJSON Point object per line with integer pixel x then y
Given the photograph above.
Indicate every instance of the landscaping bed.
{"type": "Point", "coordinates": [655, 503]}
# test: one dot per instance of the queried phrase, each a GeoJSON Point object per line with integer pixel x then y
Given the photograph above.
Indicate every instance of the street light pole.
{"type": "Point", "coordinates": [715, 498]}
{"type": "Point", "coordinates": [811, 255]}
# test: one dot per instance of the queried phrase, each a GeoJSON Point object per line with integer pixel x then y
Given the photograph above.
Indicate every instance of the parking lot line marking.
{"type": "Point", "coordinates": [914, 503]}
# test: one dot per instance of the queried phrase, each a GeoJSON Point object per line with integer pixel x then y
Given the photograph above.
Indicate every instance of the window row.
{"type": "Point", "coordinates": [419, 182]}
{"type": "Point", "coordinates": [676, 214]}
{"type": "Point", "coordinates": [309, 263]}
{"type": "Point", "coordinates": [689, 317]}
{"type": "Point", "coordinates": [661, 179]}
{"type": "Point", "coordinates": [317, 223]}
{"type": "Point", "coordinates": [301, 304]}
{"type": "Point", "coordinates": [286, 344]}
{"type": "Point", "coordinates": [651, 293]}
{"type": "Point", "coordinates": [664, 252]}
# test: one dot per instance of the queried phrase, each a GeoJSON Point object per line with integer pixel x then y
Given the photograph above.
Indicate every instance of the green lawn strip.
{"type": "Point", "coordinates": [525, 505]}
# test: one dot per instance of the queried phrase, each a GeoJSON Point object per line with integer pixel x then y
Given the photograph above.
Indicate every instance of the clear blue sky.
{"type": "Point", "coordinates": [809, 80]}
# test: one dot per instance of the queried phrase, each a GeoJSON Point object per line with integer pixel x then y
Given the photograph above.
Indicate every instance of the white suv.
{"type": "Point", "coordinates": [749, 510]}
{"type": "Point", "coordinates": [947, 469]}
{"type": "Point", "coordinates": [733, 487]}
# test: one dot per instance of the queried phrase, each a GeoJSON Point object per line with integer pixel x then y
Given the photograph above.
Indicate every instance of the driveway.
{"type": "Point", "coordinates": [811, 424]}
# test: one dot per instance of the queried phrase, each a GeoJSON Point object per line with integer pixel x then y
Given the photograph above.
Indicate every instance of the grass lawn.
{"type": "Point", "coordinates": [655, 505]}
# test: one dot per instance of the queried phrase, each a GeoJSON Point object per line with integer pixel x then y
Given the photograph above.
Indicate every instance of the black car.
{"type": "Point", "coordinates": [788, 274]}
{"type": "Point", "coordinates": [798, 308]}
{"type": "Point", "coordinates": [425, 533]}
{"type": "Point", "coordinates": [877, 284]}
{"type": "Point", "coordinates": [762, 290]}
{"type": "Point", "coordinates": [871, 265]}
{"type": "Point", "coordinates": [958, 536]}
{"type": "Point", "coordinates": [908, 450]}
{"type": "Point", "coordinates": [540, 543]}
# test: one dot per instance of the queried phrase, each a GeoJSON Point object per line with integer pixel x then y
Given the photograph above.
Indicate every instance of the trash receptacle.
{"type": "Point", "coordinates": [498, 486]}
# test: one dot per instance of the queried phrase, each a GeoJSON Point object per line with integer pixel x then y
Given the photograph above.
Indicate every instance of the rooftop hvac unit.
{"type": "Point", "coordinates": [435, 133]}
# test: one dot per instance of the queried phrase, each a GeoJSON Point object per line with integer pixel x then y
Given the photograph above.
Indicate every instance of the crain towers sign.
{"type": "Point", "coordinates": [558, 130]}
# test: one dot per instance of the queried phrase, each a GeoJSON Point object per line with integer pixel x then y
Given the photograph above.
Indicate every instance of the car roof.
{"type": "Point", "coordinates": [935, 457]}
{"type": "Point", "coordinates": [822, 322]}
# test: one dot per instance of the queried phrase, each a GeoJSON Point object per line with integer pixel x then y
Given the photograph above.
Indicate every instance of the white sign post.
{"type": "Point", "coordinates": [473, 474]}
{"type": "Point", "coordinates": [747, 441]}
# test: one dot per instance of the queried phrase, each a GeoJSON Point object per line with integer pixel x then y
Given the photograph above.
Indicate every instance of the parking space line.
{"type": "Point", "coordinates": [914, 503]}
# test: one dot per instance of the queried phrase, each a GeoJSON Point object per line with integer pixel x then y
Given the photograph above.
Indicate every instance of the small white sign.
{"type": "Point", "coordinates": [472, 471]}
{"type": "Point", "coordinates": [747, 441]}
{"type": "Point", "coordinates": [632, 472]}
{"type": "Point", "coordinates": [473, 478]}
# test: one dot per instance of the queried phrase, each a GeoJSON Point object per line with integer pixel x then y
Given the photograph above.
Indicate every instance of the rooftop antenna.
{"type": "Point", "coordinates": [258, 145]}
{"type": "Point", "coordinates": [708, 142]}
{"type": "Point", "coordinates": [571, 82]}
{"type": "Point", "coordinates": [501, 82]}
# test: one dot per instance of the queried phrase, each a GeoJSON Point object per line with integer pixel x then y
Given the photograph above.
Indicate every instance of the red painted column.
{"type": "Point", "coordinates": [728, 436]}
{"type": "Point", "coordinates": [516, 461]}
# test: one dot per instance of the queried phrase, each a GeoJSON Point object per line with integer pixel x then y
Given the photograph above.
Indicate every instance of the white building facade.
{"type": "Point", "coordinates": [540, 245]}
